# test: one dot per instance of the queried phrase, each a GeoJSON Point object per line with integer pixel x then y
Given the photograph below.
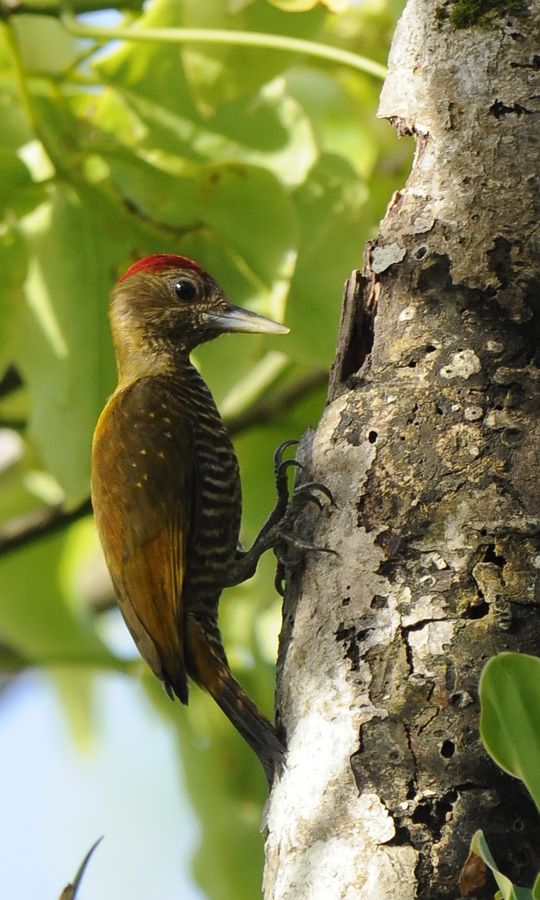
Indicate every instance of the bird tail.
{"type": "Point", "coordinates": [207, 665]}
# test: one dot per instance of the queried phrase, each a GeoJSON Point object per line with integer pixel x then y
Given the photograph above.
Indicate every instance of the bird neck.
{"type": "Point", "coordinates": [139, 356]}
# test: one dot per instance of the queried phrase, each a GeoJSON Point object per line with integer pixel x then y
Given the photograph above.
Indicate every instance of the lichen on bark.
{"type": "Point", "coordinates": [430, 448]}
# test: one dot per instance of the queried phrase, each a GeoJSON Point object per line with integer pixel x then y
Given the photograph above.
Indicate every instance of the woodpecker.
{"type": "Point", "coordinates": [166, 486]}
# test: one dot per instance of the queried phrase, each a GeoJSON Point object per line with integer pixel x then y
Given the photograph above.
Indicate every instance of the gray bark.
{"type": "Point", "coordinates": [430, 445]}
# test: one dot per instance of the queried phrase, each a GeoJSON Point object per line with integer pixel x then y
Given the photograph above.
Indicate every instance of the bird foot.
{"type": "Point", "coordinates": [289, 549]}
{"type": "Point", "coordinates": [278, 531]}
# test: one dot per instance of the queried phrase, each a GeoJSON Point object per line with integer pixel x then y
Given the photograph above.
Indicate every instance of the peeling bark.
{"type": "Point", "coordinates": [430, 443]}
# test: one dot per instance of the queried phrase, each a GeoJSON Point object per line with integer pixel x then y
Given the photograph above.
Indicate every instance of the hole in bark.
{"type": "Point", "coordinates": [448, 748]}
{"type": "Point", "coordinates": [345, 601]}
{"type": "Point", "coordinates": [430, 348]}
{"type": "Point", "coordinates": [461, 699]}
{"type": "Point", "coordinates": [411, 790]}
{"type": "Point", "coordinates": [351, 640]}
{"type": "Point", "coordinates": [379, 602]}
{"type": "Point", "coordinates": [512, 437]}
{"type": "Point", "coordinates": [412, 364]}
{"type": "Point", "coordinates": [423, 814]}
{"type": "Point", "coordinates": [372, 437]}
{"type": "Point", "coordinates": [439, 411]}
{"type": "Point", "coordinates": [412, 416]}
{"type": "Point", "coordinates": [402, 837]}
{"type": "Point", "coordinates": [477, 610]}
{"type": "Point", "coordinates": [390, 542]}
{"type": "Point", "coordinates": [483, 532]}
{"type": "Point", "coordinates": [499, 109]}
{"type": "Point", "coordinates": [492, 557]}
{"type": "Point", "coordinates": [433, 813]}
{"type": "Point", "coordinates": [520, 856]}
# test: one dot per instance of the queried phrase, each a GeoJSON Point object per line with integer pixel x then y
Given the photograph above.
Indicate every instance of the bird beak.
{"type": "Point", "coordinates": [235, 318]}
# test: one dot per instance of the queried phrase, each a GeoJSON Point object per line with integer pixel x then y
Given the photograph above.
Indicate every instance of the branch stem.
{"type": "Point", "coordinates": [218, 36]}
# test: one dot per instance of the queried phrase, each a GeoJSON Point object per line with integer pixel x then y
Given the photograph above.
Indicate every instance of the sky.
{"type": "Point", "coordinates": [58, 799]}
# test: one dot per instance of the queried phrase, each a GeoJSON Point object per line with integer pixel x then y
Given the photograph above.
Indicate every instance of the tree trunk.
{"type": "Point", "coordinates": [430, 445]}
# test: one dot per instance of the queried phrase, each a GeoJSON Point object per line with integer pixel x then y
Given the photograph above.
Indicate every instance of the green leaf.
{"type": "Point", "coordinates": [35, 619]}
{"type": "Point", "coordinates": [509, 721]}
{"type": "Point", "coordinates": [219, 198]}
{"type": "Point", "coordinates": [154, 70]}
{"type": "Point", "coordinates": [44, 43]}
{"type": "Point", "coordinates": [342, 107]}
{"type": "Point", "coordinates": [212, 74]}
{"type": "Point", "coordinates": [13, 260]}
{"type": "Point", "coordinates": [331, 208]}
{"type": "Point", "coordinates": [507, 890]}
{"type": "Point", "coordinates": [269, 129]}
{"type": "Point", "coordinates": [220, 74]}
{"type": "Point", "coordinates": [18, 192]}
{"type": "Point", "coordinates": [302, 5]}
{"type": "Point", "coordinates": [64, 351]}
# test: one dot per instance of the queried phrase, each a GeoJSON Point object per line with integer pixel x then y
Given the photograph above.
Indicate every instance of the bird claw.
{"type": "Point", "coordinates": [319, 486]}
{"type": "Point", "coordinates": [305, 491]}
{"type": "Point", "coordinates": [290, 505]}
{"type": "Point", "coordinates": [289, 541]}
{"type": "Point", "coordinates": [281, 466]}
{"type": "Point", "coordinates": [279, 580]}
{"type": "Point", "coordinates": [278, 454]}
{"type": "Point", "coordinates": [287, 464]}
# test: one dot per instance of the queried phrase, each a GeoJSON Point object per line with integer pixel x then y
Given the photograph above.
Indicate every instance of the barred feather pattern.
{"type": "Point", "coordinates": [217, 509]}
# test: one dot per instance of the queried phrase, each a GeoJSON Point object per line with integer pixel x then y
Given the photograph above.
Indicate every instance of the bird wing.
{"type": "Point", "coordinates": [144, 481]}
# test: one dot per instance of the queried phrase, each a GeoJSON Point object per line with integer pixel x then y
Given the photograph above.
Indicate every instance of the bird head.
{"type": "Point", "coordinates": [168, 301]}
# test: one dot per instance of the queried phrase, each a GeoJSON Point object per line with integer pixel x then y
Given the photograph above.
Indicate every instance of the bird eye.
{"type": "Point", "coordinates": [185, 290]}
